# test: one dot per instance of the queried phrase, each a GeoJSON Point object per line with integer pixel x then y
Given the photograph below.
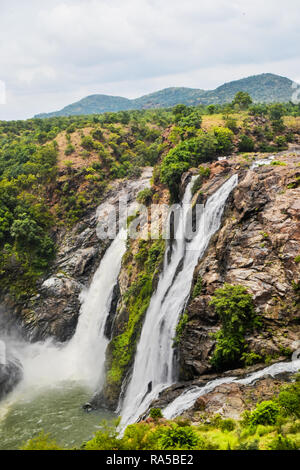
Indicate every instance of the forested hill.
{"type": "Point", "coordinates": [264, 88]}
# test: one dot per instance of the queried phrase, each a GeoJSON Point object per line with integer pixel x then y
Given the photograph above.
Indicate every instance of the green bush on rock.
{"type": "Point", "coordinates": [155, 413]}
{"type": "Point", "coordinates": [235, 309]}
{"type": "Point", "coordinates": [177, 437]}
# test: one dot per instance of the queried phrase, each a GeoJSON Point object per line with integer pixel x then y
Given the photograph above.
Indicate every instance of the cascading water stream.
{"type": "Point", "coordinates": [187, 399]}
{"type": "Point", "coordinates": [86, 350]}
{"type": "Point", "coordinates": [154, 362]}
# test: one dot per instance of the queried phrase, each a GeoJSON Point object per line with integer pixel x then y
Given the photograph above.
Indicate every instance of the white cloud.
{"type": "Point", "coordinates": [53, 53]}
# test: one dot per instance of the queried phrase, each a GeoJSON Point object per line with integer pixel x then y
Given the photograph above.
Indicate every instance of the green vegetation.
{"type": "Point", "coordinates": [235, 309]}
{"type": "Point", "coordinates": [178, 437]}
{"type": "Point", "coordinates": [264, 88]}
{"type": "Point", "coordinates": [40, 189]}
{"type": "Point", "coordinates": [198, 288]}
{"type": "Point", "coordinates": [54, 171]}
{"type": "Point", "coordinates": [266, 413]}
{"type": "Point", "coordinates": [250, 358]}
{"type": "Point", "coordinates": [197, 185]}
{"type": "Point", "coordinates": [155, 413]}
{"type": "Point", "coordinates": [242, 99]}
{"type": "Point", "coordinates": [204, 173]}
{"type": "Point", "coordinates": [41, 442]}
{"type": "Point", "coordinates": [26, 247]}
{"type": "Point", "coordinates": [278, 163]}
{"type": "Point", "coordinates": [145, 196]}
{"type": "Point", "coordinates": [271, 425]}
{"type": "Point", "coordinates": [180, 329]}
{"type": "Point", "coordinates": [137, 300]}
{"type": "Point", "coordinates": [189, 153]}
{"type": "Point", "coordinates": [246, 144]}
{"type": "Point", "coordinates": [295, 184]}
{"type": "Point", "coordinates": [224, 138]}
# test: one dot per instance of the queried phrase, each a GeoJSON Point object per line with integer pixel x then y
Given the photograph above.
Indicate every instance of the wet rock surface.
{"type": "Point", "coordinates": [256, 247]}
{"type": "Point", "coordinates": [227, 399]}
{"type": "Point", "coordinates": [11, 373]}
{"type": "Point", "coordinates": [231, 400]}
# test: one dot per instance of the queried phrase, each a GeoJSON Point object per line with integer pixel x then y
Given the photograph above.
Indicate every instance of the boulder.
{"type": "Point", "coordinates": [11, 372]}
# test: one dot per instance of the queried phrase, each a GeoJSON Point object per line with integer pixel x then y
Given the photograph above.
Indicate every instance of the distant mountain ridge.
{"type": "Point", "coordinates": [264, 88]}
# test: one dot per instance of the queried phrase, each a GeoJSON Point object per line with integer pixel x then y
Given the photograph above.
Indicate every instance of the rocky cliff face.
{"type": "Point", "coordinates": [54, 310]}
{"type": "Point", "coordinates": [257, 247]}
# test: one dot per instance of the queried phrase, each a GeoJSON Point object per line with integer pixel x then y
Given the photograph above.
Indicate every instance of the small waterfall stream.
{"type": "Point", "coordinates": [154, 362]}
{"type": "Point", "coordinates": [88, 345]}
{"type": "Point", "coordinates": [187, 399]}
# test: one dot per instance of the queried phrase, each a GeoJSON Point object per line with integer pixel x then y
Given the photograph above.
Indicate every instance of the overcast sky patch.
{"type": "Point", "coordinates": [54, 53]}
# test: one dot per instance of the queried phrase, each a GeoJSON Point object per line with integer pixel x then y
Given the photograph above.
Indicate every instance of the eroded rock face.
{"type": "Point", "coordinates": [11, 373]}
{"type": "Point", "coordinates": [232, 399]}
{"type": "Point", "coordinates": [256, 247]}
{"type": "Point", "coordinates": [54, 311]}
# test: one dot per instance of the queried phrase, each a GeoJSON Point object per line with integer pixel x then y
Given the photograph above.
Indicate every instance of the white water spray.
{"type": "Point", "coordinates": [154, 362]}
{"type": "Point", "coordinates": [82, 359]}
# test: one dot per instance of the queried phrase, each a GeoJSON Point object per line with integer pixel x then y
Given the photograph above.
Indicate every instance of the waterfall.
{"type": "Point", "coordinates": [86, 349]}
{"type": "Point", "coordinates": [187, 399]}
{"type": "Point", "coordinates": [82, 358]}
{"type": "Point", "coordinates": [154, 362]}
{"type": "Point", "coordinates": [47, 364]}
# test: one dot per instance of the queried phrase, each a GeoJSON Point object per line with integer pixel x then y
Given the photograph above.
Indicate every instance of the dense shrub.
{"type": "Point", "coordinates": [246, 144]}
{"type": "Point", "coordinates": [281, 142]}
{"type": "Point", "coordinates": [155, 413]}
{"type": "Point", "coordinates": [235, 309]}
{"type": "Point", "coordinates": [187, 154]}
{"type": "Point", "coordinates": [242, 99]}
{"type": "Point", "coordinates": [283, 443]}
{"type": "Point", "coordinates": [178, 437]}
{"type": "Point", "coordinates": [87, 143]}
{"type": "Point", "coordinates": [197, 288]}
{"type": "Point", "coordinates": [41, 442]}
{"type": "Point", "coordinates": [145, 196]}
{"type": "Point", "coordinates": [224, 138]}
{"type": "Point", "coordinates": [265, 413]}
{"type": "Point", "coordinates": [289, 399]}
{"type": "Point", "coordinates": [227, 425]}
{"type": "Point", "coordinates": [231, 124]}
{"type": "Point", "coordinates": [105, 439]}
{"type": "Point", "coordinates": [180, 328]}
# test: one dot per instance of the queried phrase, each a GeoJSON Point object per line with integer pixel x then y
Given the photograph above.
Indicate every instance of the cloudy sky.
{"type": "Point", "coordinates": [56, 52]}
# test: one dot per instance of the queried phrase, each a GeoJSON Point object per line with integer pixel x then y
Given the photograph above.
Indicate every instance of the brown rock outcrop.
{"type": "Point", "coordinates": [256, 247]}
